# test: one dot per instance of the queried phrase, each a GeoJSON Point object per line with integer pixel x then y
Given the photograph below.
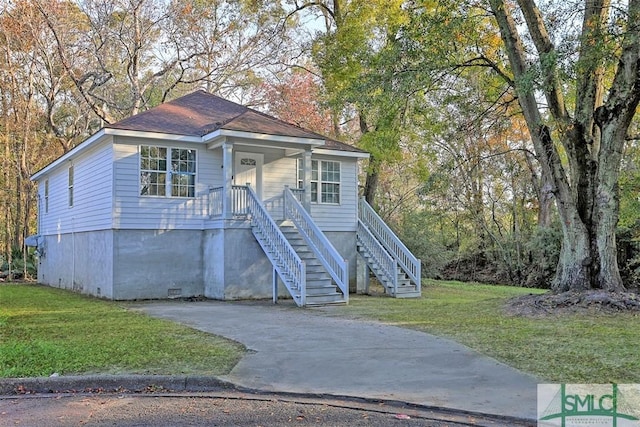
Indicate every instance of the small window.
{"type": "Point", "coordinates": [46, 196]}
{"type": "Point", "coordinates": [71, 186]}
{"type": "Point", "coordinates": [248, 162]}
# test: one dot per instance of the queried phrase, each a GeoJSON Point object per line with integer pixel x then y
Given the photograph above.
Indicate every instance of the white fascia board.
{"type": "Point", "coordinates": [103, 133]}
{"type": "Point", "coordinates": [216, 138]}
{"type": "Point", "coordinates": [153, 135]}
{"type": "Point", "coordinates": [85, 145]}
{"type": "Point", "coordinates": [341, 153]}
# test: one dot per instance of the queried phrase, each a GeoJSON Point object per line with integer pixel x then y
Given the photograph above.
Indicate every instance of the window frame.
{"type": "Point", "coordinates": [46, 196]}
{"type": "Point", "coordinates": [70, 185]}
{"type": "Point", "coordinates": [318, 183]}
{"type": "Point", "coordinates": [175, 170]}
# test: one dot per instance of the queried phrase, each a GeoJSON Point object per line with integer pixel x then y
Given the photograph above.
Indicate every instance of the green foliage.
{"type": "Point", "coordinates": [418, 231]}
{"type": "Point", "coordinates": [543, 251]}
{"type": "Point", "coordinates": [18, 262]}
{"type": "Point", "coordinates": [628, 244]}
{"type": "Point", "coordinates": [45, 330]}
{"type": "Point", "coordinates": [579, 348]}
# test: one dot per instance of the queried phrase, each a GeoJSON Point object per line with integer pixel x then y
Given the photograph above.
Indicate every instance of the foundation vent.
{"type": "Point", "coordinates": [174, 292]}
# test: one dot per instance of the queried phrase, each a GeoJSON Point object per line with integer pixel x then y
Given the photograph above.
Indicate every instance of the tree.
{"type": "Point", "coordinates": [606, 81]}
{"type": "Point", "coordinates": [296, 99]}
{"type": "Point", "coordinates": [359, 61]}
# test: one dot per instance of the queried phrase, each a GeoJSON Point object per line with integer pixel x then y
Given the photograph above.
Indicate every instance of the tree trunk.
{"type": "Point", "coordinates": [586, 197]}
{"type": "Point", "coordinates": [373, 170]}
{"type": "Point", "coordinates": [371, 183]}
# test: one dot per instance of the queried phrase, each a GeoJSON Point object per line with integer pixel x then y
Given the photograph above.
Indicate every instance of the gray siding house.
{"type": "Point", "coordinates": [201, 196]}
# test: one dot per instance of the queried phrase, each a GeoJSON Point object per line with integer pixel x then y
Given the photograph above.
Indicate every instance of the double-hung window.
{"type": "Point", "coordinates": [325, 181]}
{"type": "Point", "coordinates": [167, 171]}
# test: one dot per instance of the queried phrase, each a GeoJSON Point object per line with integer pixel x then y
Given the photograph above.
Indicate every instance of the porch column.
{"type": "Point", "coordinates": [306, 179]}
{"type": "Point", "coordinates": [227, 178]}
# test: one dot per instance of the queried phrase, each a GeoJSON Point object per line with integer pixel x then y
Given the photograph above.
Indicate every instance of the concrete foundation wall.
{"type": "Point", "coordinates": [235, 266]}
{"type": "Point", "coordinates": [153, 264]}
{"type": "Point", "coordinates": [82, 262]}
{"type": "Point", "coordinates": [224, 264]}
{"type": "Point", "coordinates": [345, 243]}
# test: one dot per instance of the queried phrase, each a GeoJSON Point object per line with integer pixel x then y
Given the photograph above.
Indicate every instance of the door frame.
{"type": "Point", "coordinates": [259, 158]}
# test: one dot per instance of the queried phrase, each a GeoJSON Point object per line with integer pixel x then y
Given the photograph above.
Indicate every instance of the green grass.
{"type": "Point", "coordinates": [585, 348]}
{"type": "Point", "coordinates": [45, 330]}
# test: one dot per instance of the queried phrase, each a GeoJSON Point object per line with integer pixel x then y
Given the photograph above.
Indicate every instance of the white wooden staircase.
{"type": "Point", "coordinates": [319, 286]}
{"type": "Point", "coordinates": [395, 267]}
{"type": "Point", "coordinates": [306, 262]}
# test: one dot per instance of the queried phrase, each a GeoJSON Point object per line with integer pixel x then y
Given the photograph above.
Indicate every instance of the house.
{"type": "Point", "coordinates": [201, 196]}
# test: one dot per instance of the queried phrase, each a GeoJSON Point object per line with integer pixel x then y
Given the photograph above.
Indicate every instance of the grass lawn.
{"type": "Point", "coordinates": [585, 348]}
{"type": "Point", "coordinates": [45, 330]}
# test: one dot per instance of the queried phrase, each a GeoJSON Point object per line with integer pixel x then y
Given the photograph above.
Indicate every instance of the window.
{"type": "Point", "coordinates": [46, 196]}
{"type": "Point", "coordinates": [155, 167]}
{"type": "Point", "coordinates": [183, 172]}
{"type": "Point", "coordinates": [330, 182]}
{"type": "Point", "coordinates": [70, 186]}
{"type": "Point", "coordinates": [327, 179]}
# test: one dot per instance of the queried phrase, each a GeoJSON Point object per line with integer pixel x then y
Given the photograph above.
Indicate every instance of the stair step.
{"type": "Point", "coordinates": [321, 290]}
{"type": "Point", "coordinates": [414, 294]}
{"type": "Point", "coordinates": [319, 283]}
{"type": "Point", "coordinates": [317, 275]}
{"type": "Point", "coordinates": [334, 297]}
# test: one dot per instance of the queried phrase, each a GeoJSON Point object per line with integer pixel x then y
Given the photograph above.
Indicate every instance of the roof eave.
{"type": "Point", "coordinates": [88, 143]}
{"type": "Point", "coordinates": [101, 135]}
{"type": "Point", "coordinates": [218, 137]}
{"type": "Point", "coordinates": [343, 153]}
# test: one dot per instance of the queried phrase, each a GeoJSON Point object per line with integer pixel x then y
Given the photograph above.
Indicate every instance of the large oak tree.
{"type": "Point", "coordinates": [579, 143]}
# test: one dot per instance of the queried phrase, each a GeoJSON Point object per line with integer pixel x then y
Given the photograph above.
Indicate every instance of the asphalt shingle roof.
{"type": "Point", "coordinates": [200, 113]}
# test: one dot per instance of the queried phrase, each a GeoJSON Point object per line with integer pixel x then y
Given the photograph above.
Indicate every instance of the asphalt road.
{"type": "Point", "coordinates": [229, 408]}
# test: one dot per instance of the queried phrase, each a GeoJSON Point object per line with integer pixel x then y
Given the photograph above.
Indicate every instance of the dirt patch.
{"type": "Point", "coordinates": [587, 302]}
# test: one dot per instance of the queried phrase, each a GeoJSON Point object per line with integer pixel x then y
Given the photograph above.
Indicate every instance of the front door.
{"type": "Point", "coordinates": [248, 169]}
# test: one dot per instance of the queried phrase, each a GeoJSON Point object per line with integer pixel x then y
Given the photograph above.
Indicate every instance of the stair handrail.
{"type": "Point", "coordinates": [409, 263]}
{"type": "Point", "coordinates": [288, 264]}
{"type": "Point", "coordinates": [333, 262]}
{"type": "Point", "coordinates": [379, 255]}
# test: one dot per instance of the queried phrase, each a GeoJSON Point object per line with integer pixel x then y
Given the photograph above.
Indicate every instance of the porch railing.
{"type": "Point", "coordinates": [216, 196]}
{"type": "Point", "coordinates": [406, 260]}
{"type": "Point", "coordinates": [283, 257]}
{"type": "Point", "coordinates": [386, 263]}
{"type": "Point", "coordinates": [238, 201]}
{"type": "Point", "coordinates": [335, 265]}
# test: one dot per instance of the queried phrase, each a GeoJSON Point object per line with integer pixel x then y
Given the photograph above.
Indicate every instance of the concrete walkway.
{"type": "Point", "coordinates": [317, 351]}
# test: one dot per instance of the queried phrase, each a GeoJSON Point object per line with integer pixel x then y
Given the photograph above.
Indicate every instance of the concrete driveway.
{"type": "Point", "coordinates": [318, 351]}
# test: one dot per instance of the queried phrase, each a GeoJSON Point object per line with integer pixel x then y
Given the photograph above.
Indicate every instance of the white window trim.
{"type": "Point", "coordinates": [168, 185]}
{"type": "Point", "coordinates": [71, 179]}
{"type": "Point", "coordinates": [319, 181]}
{"type": "Point", "coordinates": [46, 196]}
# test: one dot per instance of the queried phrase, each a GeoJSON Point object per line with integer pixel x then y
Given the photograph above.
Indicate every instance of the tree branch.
{"type": "Point", "coordinates": [547, 53]}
